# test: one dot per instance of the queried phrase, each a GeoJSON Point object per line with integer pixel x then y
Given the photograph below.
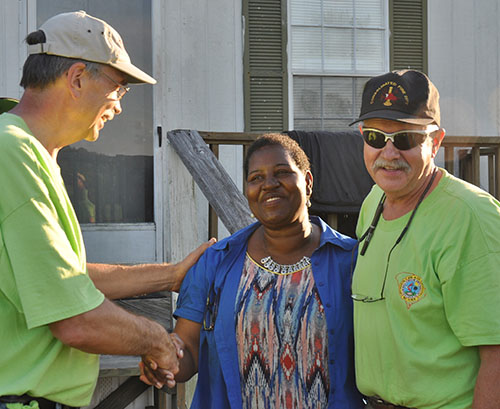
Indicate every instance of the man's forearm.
{"type": "Point", "coordinates": [487, 390]}
{"type": "Point", "coordinates": [117, 281]}
{"type": "Point", "coordinates": [109, 329]}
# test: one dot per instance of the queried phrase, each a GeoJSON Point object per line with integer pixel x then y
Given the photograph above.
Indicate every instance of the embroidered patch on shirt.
{"type": "Point", "coordinates": [411, 288]}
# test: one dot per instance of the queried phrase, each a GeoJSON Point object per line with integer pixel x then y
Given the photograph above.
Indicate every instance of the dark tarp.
{"type": "Point", "coordinates": [341, 181]}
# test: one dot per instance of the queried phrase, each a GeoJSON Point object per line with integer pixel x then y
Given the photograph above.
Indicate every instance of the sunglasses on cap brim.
{"type": "Point", "coordinates": [402, 140]}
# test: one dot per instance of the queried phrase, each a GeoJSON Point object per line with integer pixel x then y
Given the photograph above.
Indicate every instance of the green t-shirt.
{"type": "Point", "coordinates": [418, 347]}
{"type": "Point", "coordinates": [43, 274]}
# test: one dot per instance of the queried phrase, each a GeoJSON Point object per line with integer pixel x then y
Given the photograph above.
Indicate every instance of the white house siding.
{"type": "Point", "coordinates": [464, 63]}
{"type": "Point", "coordinates": [200, 59]}
{"type": "Point", "coordinates": [464, 41]}
{"type": "Point", "coordinates": [13, 29]}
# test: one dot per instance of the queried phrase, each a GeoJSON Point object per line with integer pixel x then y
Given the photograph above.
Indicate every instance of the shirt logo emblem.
{"type": "Point", "coordinates": [411, 288]}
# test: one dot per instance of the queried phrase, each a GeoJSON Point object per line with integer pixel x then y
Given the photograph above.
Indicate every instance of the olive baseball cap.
{"type": "Point", "coordinates": [6, 104]}
{"type": "Point", "coordinates": [405, 96]}
{"type": "Point", "coordinates": [81, 36]}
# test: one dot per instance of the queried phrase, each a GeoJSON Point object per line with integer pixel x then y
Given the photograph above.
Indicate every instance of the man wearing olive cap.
{"type": "Point", "coordinates": [427, 278]}
{"type": "Point", "coordinates": [54, 309]}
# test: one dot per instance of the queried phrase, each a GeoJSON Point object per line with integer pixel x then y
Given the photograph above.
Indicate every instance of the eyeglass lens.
{"type": "Point", "coordinates": [403, 140]}
{"type": "Point", "coordinates": [122, 89]}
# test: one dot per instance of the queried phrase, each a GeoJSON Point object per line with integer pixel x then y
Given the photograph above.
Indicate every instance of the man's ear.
{"type": "Point", "coordinates": [75, 78]}
{"type": "Point", "coordinates": [437, 139]}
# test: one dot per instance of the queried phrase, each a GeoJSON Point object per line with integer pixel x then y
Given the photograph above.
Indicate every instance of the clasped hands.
{"type": "Point", "coordinates": [160, 370]}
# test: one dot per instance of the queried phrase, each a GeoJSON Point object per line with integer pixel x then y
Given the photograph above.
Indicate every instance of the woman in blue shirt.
{"type": "Point", "coordinates": [265, 315]}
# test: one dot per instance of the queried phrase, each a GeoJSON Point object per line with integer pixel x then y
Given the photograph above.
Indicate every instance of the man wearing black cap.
{"type": "Point", "coordinates": [55, 314]}
{"type": "Point", "coordinates": [426, 286]}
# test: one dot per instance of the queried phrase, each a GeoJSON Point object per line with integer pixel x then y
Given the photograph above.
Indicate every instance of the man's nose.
{"type": "Point", "coordinates": [389, 151]}
{"type": "Point", "coordinates": [117, 107]}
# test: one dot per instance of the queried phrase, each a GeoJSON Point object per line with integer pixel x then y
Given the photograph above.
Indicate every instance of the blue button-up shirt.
{"type": "Point", "coordinates": [217, 275]}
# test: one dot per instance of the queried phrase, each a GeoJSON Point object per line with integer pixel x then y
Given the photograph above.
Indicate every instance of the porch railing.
{"type": "Point", "coordinates": [470, 149]}
{"type": "Point", "coordinates": [466, 150]}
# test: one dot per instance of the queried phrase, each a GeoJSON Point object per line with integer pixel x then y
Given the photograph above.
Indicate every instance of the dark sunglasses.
{"type": "Point", "coordinates": [402, 140]}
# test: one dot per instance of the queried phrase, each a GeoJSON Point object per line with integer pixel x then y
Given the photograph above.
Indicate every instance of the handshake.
{"type": "Point", "coordinates": [160, 368]}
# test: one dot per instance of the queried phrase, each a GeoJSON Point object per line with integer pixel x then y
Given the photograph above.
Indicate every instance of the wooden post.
{"type": "Point", "coordinates": [213, 220]}
{"type": "Point", "coordinates": [449, 158]}
{"type": "Point", "coordinates": [217, 186]}
{"type": "Point", "coordinates": [491, 173]}
{"type": "Point", "coordinates": [475, 155]}
{"type": "Point", "coordinates": [497, 172]}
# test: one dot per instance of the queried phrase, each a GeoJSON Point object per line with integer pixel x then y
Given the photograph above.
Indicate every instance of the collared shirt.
{"type": "Point", "coordinates": [219, 271]}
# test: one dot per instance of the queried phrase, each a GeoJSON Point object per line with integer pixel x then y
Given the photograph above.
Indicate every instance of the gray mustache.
{"type": "Point", "coordinates": [397, 164]}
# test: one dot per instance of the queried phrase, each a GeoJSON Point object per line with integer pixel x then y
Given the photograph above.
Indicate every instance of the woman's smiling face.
{"type": "Point", "coordinates": [277, 190]}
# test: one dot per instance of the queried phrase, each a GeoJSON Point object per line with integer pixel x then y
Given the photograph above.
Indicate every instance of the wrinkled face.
{"type": "Point", "coordinates": [277, 190]}
{"type": "Point", "coordinates": [399, 172]}
{"type": "Point", "coordinates": [102, 101]}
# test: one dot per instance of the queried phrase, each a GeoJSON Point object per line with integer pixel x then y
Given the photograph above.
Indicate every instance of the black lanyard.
{"type": "Point", "coordinates": [367, 236]}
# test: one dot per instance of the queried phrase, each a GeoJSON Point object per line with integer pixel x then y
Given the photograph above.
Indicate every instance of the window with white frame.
{"type": "Point", "coordinates": [336, 45]}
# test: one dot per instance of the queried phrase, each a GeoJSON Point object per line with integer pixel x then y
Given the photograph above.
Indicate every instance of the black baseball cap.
{"type": "Point", "coordinates": [406, 96]}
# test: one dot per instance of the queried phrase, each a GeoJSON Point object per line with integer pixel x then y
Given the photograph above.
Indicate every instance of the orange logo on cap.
{"type": "Point", "coordinates": [394, 93]}
{"type": "Point", "coordinates": [389, 97]}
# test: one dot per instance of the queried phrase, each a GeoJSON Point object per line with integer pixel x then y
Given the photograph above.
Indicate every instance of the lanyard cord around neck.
{"type": "Point", "coordinates": [367, 236]}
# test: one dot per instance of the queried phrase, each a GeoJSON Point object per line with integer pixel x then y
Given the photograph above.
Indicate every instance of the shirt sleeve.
{"type": "Point", "coordinates": [194, 290]}
{"type": "Point", "coordinates": [470, 276]}
{"type": "Point", "coordinates": [472, 301]}
{"type": "Point", "coordinates": [42, 257]}
{"type": "Point", "coordinates": [51, 281]}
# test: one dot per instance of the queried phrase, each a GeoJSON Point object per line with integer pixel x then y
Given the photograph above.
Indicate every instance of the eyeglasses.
{"type": "Point", "coordinates": [122, 89]}
{"type": "Point", "coordinates": [367, 298]}
{"type": "Point", "coordinates": [211, 309]}
{"type": "Point", "coordinates": [402, 140]}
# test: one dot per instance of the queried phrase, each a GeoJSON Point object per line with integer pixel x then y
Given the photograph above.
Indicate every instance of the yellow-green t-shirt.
{"type": "Point", "coordinates": [418, 347]}
{"type": "Point", "coordinates": [43, 274]}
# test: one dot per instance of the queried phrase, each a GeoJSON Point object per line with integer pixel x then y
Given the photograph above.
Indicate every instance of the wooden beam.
{"type": "Point", "coordinates": [475, 155]}
{"type": "Point", "coordinates": [229, 138]}
{"type": "Point", "coordinates": [491, 174]}
{"type": "Point", "coordinates": [463, 141]}
{"type": "Point", "coordinates": [213, 220]}
{"type": "Point", "coordinates": [449, 158]}
{"type": "Point", "coordinates": [497, 173]}
{"type": "Point", "coordinates": [215, 183]}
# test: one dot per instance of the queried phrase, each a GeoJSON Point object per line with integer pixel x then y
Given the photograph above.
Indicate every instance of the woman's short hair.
{"type": "Point", "coordinates": [287, 143]}
{"type": "Point", "coordinates": [40, 70]}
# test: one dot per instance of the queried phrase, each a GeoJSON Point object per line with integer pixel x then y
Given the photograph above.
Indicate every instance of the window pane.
{"type": "Point", "coordinates": [338, 12]}
{"type": "Point", "coordinates": [359, 84]}
{"type": "Point", "coordinates": [338, 49]}
{"type": "Point", "coordinates": [307, 125]}
{"type": "Point", "coordinates": [337, 97]}
{"type": "Point", "coordinates": [370, 13]}
{"type": "Point", "coordinates": [306, 12]}
{"type": "Point", "coordinates": [336, 125]}
{"type": "Point", "coordinates": [307, 97]}
{"type": "Point", "coordinates": [306, 49]}
{"type": "Point", "coordinates": [347, 48]}
{"type": "Point", "coordinates": [111, 180]}
{"type": "Point", "coordinates": [370, 53]}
